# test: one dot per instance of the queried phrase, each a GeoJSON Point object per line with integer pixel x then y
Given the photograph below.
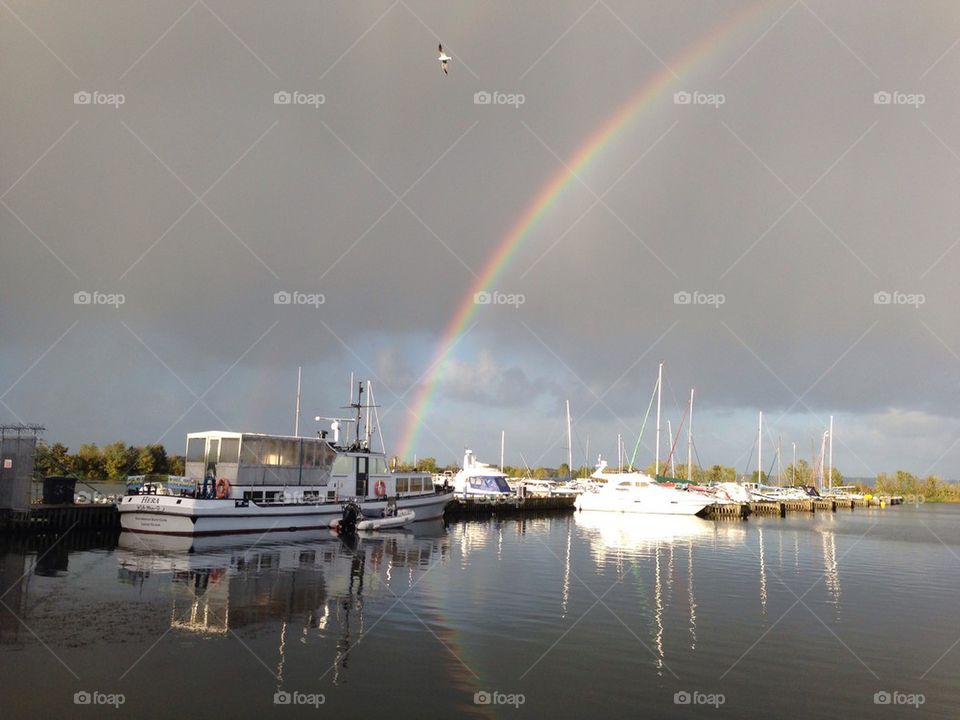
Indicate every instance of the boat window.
{"type": "Point", "coordinates": [492, 483]}
{"type": "Point", "coordinates": [289, 453]}
{"type": "Point", "coordinates": [415, 484]}
{"type": "Point", "coordinates": [625, 484]}
{"type": "Point", "coordinates": [195, 448]}
{"type": "Point", "coordinates": [379, 466]}
{"type": "Point", "coordinates": [309, 450]}
{"type": "Point", "coordinates": [343, 465]}
{"type": "Point", "coordinates": [403, 484]}
{"type": "Point", "coordinates": [250, 451]}
{"type": "Point", "coordinates": [229, 450]}
{"type": "Point", "coordinates": [269, 451]}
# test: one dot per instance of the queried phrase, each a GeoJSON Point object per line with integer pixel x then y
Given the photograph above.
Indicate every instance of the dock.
{"type": "Point", "coordinates": [479, 506]}
{"type": "Point", "coordinates": [780, 508]}
{"type": "Point", "coordinates": [60, 518]}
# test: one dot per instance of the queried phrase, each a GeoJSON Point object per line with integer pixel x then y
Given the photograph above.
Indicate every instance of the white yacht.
{"type": "Point", "coordinates": [636, 492]}
{"type": "Point", "coordinates": [257, 483]}
{"type": "Point", "coordinates": [477, 479]}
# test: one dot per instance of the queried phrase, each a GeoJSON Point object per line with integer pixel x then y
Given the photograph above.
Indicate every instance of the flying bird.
{"type": "Point", "coordinates": [443, 58]}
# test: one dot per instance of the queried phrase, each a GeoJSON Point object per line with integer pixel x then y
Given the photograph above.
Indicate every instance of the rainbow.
{"type": "Point", "coordinates": [541, 203]}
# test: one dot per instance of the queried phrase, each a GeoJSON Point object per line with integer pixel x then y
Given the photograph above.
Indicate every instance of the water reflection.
{"type": "Point", "coordinates": [303, 583]}
{"type": "Point", "coordinates": [619, 540]}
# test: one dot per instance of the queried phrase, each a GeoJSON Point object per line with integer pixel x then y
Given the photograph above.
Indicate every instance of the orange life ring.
{"type": "Point", "coordinates": [380, 488]}
{"type": "Point", "coordinates": [223, 488]}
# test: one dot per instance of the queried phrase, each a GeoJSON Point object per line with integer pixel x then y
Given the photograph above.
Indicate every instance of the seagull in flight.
{"type": "Point", "coordinates": [443, 58]}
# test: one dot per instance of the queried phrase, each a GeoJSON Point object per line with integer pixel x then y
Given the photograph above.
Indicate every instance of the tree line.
{"type": "Point", "coordinates": [111, 462]}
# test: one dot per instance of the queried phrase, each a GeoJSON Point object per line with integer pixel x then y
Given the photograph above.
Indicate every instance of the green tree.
{"type": "Point", "coordinates": [119, 460]}
{"type": "Point", "coordinates": [151, 460]}
{"type": "Point", "coordinates": [563, 471]}
{"type": "Point", "coordinates": [51, 460]}
{"type": "Point", "coordinates": [88, 462]}
{"type": "Point", "coordinates": [175, 464]}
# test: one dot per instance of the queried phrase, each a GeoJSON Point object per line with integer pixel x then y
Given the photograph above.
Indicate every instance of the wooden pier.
{"type": "Point", "coordinates": [460, 507]}
{"type": "Point", "coordinates": [60, 518]}
{"type": "Point", "coordinates": [780, 508]}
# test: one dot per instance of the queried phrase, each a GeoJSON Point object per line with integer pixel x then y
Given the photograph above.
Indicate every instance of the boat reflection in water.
{"type": "Point", "coordinates": [306, 582]}
{"type": "Point", "coordinates": [667, 543]}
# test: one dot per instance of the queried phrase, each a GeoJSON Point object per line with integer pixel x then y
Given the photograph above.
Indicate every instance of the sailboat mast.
{"type": "Point", "coordinates": [656, 470]}
{"type": "Point", "coordinates": [569, 443]}
{"type": "Point", "coordinates": [690, 439]}
{"type": "Point", "coordinates": [502, 441]}
{"type": "Point", "coordinates": [760, 450]}
{"type": "Point", "coordinates": [619, 454]}
{"type": "Point", "coordinates": [779, 464]}
{"type": "Point", "coordinates": [673, 464]}
{"type": "Point", "coordinates": [296, 421]}
{"type": "Point", "coordinates": [830, 473]}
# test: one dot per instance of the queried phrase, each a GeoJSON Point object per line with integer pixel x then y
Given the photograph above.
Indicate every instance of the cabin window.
{"type": "Point", "coordinates": [229, 450]}
{"type": "Point", "coordinates": [289, 453]}
{"type": "Point", "coordinates": [270, 451]}
{"type": "Point", "coordinates": [309, 450]}
{"type": "Point", "coordinates": [415, 485]}
{"type": "Point", "coordinates": [379, 466]}
{"type": "Point", "coordinates": [195, 449]}
{"type": "Point", "coordinates": [343, 465]}
{"type": "Point", "coordinates": [250, 451]}
{"type": "Point", "coordinates": [403, 484]}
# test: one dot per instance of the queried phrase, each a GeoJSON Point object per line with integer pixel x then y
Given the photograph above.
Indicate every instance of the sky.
{"type": "Point", "coordinates": [774, 219]}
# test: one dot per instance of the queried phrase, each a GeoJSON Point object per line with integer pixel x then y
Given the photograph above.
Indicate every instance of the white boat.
{"type": "Point", "coordinates": [258, 483]}
{"type": "Point", "coordinates": [637, 492]}
{"type": "Point", "coordinates": [477, 479]}
{"type": "Point", "coordinates": [400, 519]}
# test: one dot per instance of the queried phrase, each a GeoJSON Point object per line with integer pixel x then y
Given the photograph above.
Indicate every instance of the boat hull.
{"type": "Point", "coordinates": [651, 506]}
{"type": "Point", "coordinates": [168, 515]}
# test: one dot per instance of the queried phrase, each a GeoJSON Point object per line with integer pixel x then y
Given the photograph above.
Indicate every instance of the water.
{"type": "Point", "coordinates": [575, 616]}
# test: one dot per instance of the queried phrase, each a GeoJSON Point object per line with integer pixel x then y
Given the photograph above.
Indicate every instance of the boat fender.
{"type": "Point", "coordinates": [223, 488]}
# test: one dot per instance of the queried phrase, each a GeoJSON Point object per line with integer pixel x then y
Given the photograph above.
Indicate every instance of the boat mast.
{"type": "Point", "coordinates": [659, 389]}
{"type": "Point", "coordinates": [502, 441]}
{"type": "Point", "coordinates": [296, 421]}
{"type": "Point", "coordinates": [673, 463]}
{"type": "Point", "coordinates": [619, 454]}
{"type": "Point", "coordinates": [760, 450]}
{"type": "Point", "coordinates": [794, 478]}
{"type": "Point", "coordinates": [830, 473]}
{"type": "Point", "coordinates": [569, 444]}
{"type": "Point", "coordinates": [779, 464]}
{"type": "Point", "coordinates": [690, 439]}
